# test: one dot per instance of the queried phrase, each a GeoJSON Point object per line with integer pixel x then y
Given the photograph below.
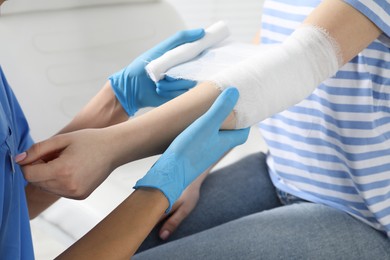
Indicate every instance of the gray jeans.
{"type": "Point", "coordinates": [240, 216]}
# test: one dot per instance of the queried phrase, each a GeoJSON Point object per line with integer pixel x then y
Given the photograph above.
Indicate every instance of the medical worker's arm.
{"type": "Point", "coordinates": [200, 145]}
{"type": "Point", "coordinates": [151, 133]}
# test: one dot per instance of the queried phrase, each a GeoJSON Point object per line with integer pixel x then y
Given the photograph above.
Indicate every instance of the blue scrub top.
{"type": "Point", "coordinates": [15, 234]}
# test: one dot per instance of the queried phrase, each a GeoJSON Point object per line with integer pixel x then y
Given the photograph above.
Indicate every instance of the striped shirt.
{"type": "Point", "coordinates": [334, 147]}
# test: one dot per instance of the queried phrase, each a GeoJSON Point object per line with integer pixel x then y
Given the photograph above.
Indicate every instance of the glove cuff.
{"type": "Point", "coordinates": [118, 84]}
{"type": "Point", "coordinates": [167, 176]}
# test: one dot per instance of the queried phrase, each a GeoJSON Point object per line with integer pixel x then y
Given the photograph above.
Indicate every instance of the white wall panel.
{"type": "Point", "coordinates": [243, 16]}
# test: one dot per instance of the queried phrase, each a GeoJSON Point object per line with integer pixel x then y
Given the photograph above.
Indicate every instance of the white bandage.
{"type": "Point", "coordinates": [214, 60]}
{"type": "Point", "coordinates": [213, 35]}
{"type": "Point", "coordinates": [281, 76]}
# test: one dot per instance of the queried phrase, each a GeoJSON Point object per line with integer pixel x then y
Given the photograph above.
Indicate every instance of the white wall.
{"type": "Point", "coordinates": [243, 16]}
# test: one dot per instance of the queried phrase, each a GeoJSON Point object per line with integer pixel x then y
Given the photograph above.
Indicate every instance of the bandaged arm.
{"type": "Point", "coordinates": [281, 76]}
{"type": "Point", "coordinates": [285, 74]}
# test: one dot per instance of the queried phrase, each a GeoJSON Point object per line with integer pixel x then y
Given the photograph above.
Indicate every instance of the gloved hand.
{"type": "Point", "coordinates": [195, 150]}
{"type": "Point", "coordinates": [134, 89]}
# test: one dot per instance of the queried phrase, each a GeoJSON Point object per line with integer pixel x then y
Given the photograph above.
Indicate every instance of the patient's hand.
{"type": "Point", "coordinates": [181, 209]}
{"type": "Point", "coordinates": [73, 165]}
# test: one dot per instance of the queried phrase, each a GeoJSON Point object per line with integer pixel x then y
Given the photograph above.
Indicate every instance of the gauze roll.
{"type": "Point", "coordinates": [214, 34]}
{"type": "Point", "coordinates": [281, 76]}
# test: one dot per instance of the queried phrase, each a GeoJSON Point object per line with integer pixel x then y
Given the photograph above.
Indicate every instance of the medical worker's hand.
{"type": "Point", "coordinates": [134, 89]}
{"type": "Point", "coordinates": [195, 149]}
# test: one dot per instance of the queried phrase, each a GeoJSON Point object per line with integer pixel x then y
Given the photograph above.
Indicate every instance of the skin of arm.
{"type": "Point", "coordinates": [347, 26]}
{"type": "Point", "coordinates": [144, 206]}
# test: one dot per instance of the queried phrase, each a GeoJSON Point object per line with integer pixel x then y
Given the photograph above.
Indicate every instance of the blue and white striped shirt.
{"type": "Point", "coordinates": [334, 147]}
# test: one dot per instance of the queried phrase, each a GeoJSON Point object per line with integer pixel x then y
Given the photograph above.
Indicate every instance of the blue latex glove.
{"type": "Point", "coordinates": [134, 89]}
{"type": "Point", "coordinates": [195, 150]}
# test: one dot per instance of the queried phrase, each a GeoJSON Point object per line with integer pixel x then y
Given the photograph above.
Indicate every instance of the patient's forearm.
{"type": "Point", "coordinates": [152, 132]}
{"type": "Point", "coordinates": [120, 234]}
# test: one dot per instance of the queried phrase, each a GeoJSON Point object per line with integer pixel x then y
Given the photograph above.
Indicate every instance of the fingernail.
{"type": "Point", "coordinates": [164, 235]}
{"type": "Point", "coordinates": [20, 157]}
